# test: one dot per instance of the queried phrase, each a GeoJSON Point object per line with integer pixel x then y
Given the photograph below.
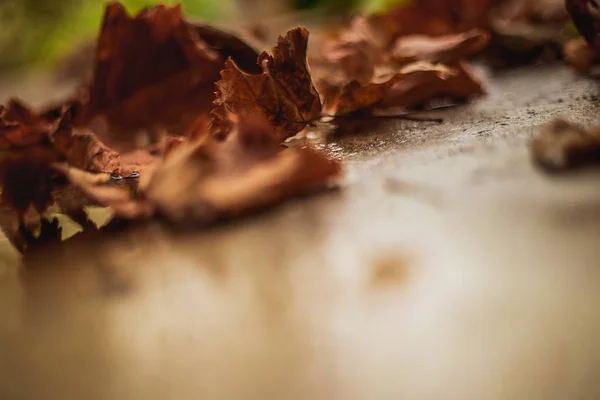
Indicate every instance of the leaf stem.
{"type": "Point", "coordinates": [405, 117]}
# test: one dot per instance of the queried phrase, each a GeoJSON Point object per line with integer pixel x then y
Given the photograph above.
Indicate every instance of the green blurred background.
{"type": "Point", "coordinates": [38, 32]}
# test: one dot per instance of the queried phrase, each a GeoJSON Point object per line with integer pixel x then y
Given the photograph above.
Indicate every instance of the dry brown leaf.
{"type": "Point", "coordinates": [534, 12]}
{"type": "Point", "coordinates": [283, 93]}
{"type": "Point", "coordinates": [153, 71]}
{"type": "Point", "coordinates": [433, 17]}
{"type": "Point", "coordinates": [204, 181]}
{"type": "Point", "coordinates": [524, 27]}
{"type": "Point", "coordinates": [229, 45]}
{"type": "Point", "coordinates": [26, 176]}
{"type": "Point", "coordinates": [447, 49]}
{"type": "Point", "coordinates": [562, 146]}
{"type": "Point", "coordinates": [28, 180]}
{"type": "Point", "coordinates": [101, 190]}
{"type": "Point", "coordinates": [54, 129]}
{"type": "Point", "coordinates": [249, 170]}
{"type": "Point", "coordinates": [24, 240]}
{"type": "Point", "coordinates": [419, 89]}
{"type": "Point", "coordinates": [82, 148]}
{"type": "Point", "coordinates": [415, 84]}
{"type": "Point", "coordinates": [416, 70]}
{"type": "Point", "coordinates": [20, 127]}
{"type": "Point", "coordinates": [354, 55]}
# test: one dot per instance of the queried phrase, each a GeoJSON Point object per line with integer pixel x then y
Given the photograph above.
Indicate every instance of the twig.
{"type": "Point", "coordinates": [398, 116]}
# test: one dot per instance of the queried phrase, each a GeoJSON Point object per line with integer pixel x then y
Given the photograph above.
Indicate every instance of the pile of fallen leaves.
{"type": "Point", "coordinates": [188, 123]}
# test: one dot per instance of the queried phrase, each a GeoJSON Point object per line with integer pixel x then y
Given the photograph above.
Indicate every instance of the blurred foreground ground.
{"type": "Point", "coordinates": [447, 267]}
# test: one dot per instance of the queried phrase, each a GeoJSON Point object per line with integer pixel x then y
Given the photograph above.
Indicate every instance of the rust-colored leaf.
{"type": "Point", "coordinates": [20, 127]}
{"type": "Point", "coordinates": [82, 148]}
{"type": "Point", "coordinates": [355, 53]}
{"type": "Point", "coordinates": [433, 17]}
{"type": "Point", "coordinates": [415, 84]}
{"type": "Point", "coordinates": [100, 190]}
{"type": "Point", "coordinates": [208, 180]}
{"type": "Point", "coordinates": [27, 179]}
{"type": "Point", "coordinates": [523, 28]}
{"type": "Point", "coordinates": [283, 93]}
{"type": "Point", "coordinates": [249, 170]}
{"type": "Point", "coordinates": [153, 70]}
{"type": "Point", "coordinates": [447, 49]}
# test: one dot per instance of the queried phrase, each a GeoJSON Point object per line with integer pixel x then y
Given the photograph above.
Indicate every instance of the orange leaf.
{"type": "Point", "coordinates": [205, 181]}
{"type": "Point", "coordinates": [97, 187]}
{"type": "Point", "coordinates": [355, 53]}
{"type": "Point", "coordinates": [433, 17]}
{"type": "Point", "coordinates": [20, 127]}
{"type": "Point", "coordinates": [82, 148]}
{"type": "Point", "coordinates": [415, 84]}
{"type": "Point", "coordinates": [154, 72]}
{"type": "Point", "coordinates": [28, 180]}
{"type": "Point", "coordinates": [441, 49]}
{"type": "Point", "coordinates": [420, 88]}
{"type": "Point", "coordinates": [284, 93]}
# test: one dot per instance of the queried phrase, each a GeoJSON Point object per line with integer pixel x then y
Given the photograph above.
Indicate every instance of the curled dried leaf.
{"type": "Point", "coordinates": [207, 180]}
{"type": "Point", "coordinates": [229, 46]}
{"type": "Point", "coordinates": [249, 170]}
{"type": "Point", "coordinates": [153, 70]}
{"type": "Point", "coordinates": [433, 17]}
{"type": "Point", "coordinates": [447, 49]}
{"type": "Point", "coordinates": [283, 93]}
{"type": "Point", "coordinates": [461, 83]}
{"type": "Point", "coordinates": [82, 148]}
{"type": "Point", "coordinates": [20, 127]}
{"type": "Point", "coordinates": [415, 84]}
{"type": "Point", "coordinates": [355, 53]}
{"type": "Point", "coordinates": [524, 28]}
{"type": "Point", "coordinates": [100, 190]}
{"type": "Point", "coordinates": [28, 180]}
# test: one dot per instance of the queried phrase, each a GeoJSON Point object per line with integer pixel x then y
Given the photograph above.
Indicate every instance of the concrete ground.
{"type": "Point", "coordinates": [446, 267]}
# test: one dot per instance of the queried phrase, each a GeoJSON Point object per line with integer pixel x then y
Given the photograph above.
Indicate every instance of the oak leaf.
{"type": "Point", "coordinates": [283, 93]}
